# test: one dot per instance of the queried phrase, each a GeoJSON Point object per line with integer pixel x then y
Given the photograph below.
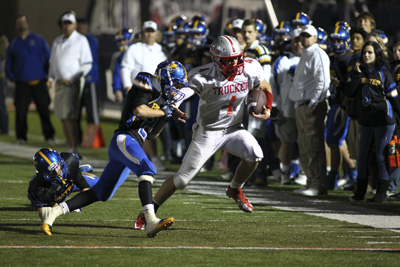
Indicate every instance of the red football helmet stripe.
{"type": "Point", "coordinates": [229, 39]}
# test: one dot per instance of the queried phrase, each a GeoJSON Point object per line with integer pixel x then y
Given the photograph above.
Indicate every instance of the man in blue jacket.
{"type": "Point", "coordinates": [27, 65]}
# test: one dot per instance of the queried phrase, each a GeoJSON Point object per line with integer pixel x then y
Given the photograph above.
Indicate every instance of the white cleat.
{"type": "Point", "coordinates": [153, 228]}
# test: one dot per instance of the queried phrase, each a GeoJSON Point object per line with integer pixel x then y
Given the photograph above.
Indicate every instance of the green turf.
{"type": "Point", "coordinates": [209, 231]}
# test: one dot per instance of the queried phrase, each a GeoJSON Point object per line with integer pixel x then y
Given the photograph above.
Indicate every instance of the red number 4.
{"type": "Point", "coordinates": [229, 106]}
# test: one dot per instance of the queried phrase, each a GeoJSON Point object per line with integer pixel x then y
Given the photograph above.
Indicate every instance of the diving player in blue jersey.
{"type": "Point", "coordinates": [149, 104]}
{"type": "Point", "coordinates": [57, 176]}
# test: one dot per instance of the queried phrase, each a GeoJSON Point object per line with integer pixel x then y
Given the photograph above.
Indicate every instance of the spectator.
{"type": "Point", "coordinates": [283, 110]}
{"type": "Point", "coordinates": [375, 90]}
{"type": "Point", "coordinates": [395, 64]}
{"type": "Point", "coordinates": [70, 61]}
{"type": "Point", "coordinates": [375, 37]}
{"type": "Point", "coordinates": [237, 31]}
{"type": "Point", "coordinates": [4, 128]}
{"type": "Point", "coordinates": [48, 188]}
{"type": "Point", "coordinates": [366, 21]}
{"type": "Point", "coordinates": [144, 56]}
{"type": "Point", "coordinates": [148, 105]}
{"type": "Point", "coordinates": [309, 91]}
{"type": "Point", "coordinates": [27, 64]}
{"type": "Point", "coordinates": [89, 94]}
{"type": "Point", "coordinates": [261, 129]}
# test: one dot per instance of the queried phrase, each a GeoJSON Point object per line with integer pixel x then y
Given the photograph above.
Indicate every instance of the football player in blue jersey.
{"type": "Point", "coordinates": [149, 104]}
{"type": "Point", "coordinates": [57, 176]}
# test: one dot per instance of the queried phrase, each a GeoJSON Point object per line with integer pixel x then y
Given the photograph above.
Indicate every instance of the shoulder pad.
{"type": "Point", "coordinates": [147, 82]}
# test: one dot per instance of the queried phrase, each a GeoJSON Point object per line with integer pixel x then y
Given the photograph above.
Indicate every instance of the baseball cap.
{"type": "Point", "coordinates": [310, 29]}
{"type": "Point", "coordinates": [68, 17]}
{"type": "Point", "coordinates": [237, 23]}
{"type": "Point", "coordinates": [149, 24]}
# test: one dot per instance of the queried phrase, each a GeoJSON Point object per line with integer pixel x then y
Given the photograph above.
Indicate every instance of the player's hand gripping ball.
{"type": "Point", "coordinates": [256, 99]}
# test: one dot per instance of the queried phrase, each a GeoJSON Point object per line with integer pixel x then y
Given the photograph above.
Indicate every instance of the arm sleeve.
{"type": "Point", "coordinates": [322, 75]}
{"type": "Point", "coordinates": [352, 84]}
{"type": "Point", "coordinates": [8, 65]}
{"type": "Point", "coordinates": [80, 181]}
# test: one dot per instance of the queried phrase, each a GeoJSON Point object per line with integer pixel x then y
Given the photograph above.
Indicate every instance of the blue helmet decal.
{"type": "Point", "coordinates": [47, 161]}
{"type": "Point", "coordinates": [172, 75]}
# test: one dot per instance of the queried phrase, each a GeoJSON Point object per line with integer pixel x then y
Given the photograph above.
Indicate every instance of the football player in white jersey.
{"type": "Point", "coordinates": [222, 86]}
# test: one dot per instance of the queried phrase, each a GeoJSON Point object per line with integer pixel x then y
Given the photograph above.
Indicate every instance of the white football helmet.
{"type": "Point", "coordinates": [227, 47]}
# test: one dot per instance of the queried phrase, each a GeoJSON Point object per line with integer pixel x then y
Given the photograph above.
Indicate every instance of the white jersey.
{"type": "Point", "coordinates": [221, 102]}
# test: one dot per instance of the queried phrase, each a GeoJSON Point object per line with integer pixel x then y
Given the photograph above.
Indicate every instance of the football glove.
{"type": "Point", "coordinates": [168, 109]}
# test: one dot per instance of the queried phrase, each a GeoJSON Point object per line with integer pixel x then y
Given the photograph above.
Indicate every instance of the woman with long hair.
{"type": "Point", "coordinates": [372, 84]}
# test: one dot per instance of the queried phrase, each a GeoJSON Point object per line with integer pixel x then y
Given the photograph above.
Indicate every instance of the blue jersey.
{"type": "Point", "coordinates": [28, 59]}
{"type": "Point", "coordinates": [145, 90]}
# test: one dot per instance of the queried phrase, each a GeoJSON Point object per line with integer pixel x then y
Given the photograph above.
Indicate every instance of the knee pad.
{"type": "Point", "coordinates": [179, 182]}
{"type": "Point", "coordinates": [146, 178]}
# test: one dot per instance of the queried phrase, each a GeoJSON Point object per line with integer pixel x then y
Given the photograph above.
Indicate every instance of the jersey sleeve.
{"type": "Point", "coordinates": [40, 192]}
{"type": "Point", "coordinates": [255, 71]}
{"type": "Point", "coordinates": [72, 162]}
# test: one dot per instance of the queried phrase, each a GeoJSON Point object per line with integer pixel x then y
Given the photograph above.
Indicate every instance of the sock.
{"type": "Point", "coordinates": [81, 200]}
{"type": "Point", "coordinates": [149, 213]}
{"type": "Point", "coordinates": [145, 193]}
{"type": "Point", "coordinates": [64, 207]}
{"type": "Point", "coordinates": [285, 168]}
{"type": "Point", "coordinates": [236, 185]}
{"type": "Point", "coordinates": [295, 161]}
{"type": "Point", "coordinates": [156, 206]}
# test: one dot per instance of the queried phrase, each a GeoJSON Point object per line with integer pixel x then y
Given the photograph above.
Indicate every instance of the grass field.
{"type": "Point", "coordinates": [209, 230]}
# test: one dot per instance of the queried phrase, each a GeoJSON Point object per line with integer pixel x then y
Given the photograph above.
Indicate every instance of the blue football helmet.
{"type": "Point", "coordinates": [169, 34]}
{"type": "Point", "coordinates": [261, 27]}
{"type": "Point", "coordinates": [283, 32]}
{"type": "Point", "coordinates": [199, 16]}
{"type": "Point", "coordinates": [339, 40]}
{"type": "Point", "coordinates": [198, 33]}
{"type": "Point", "coordinates": [300, 19]}
{"type": "Point", "coordinates": [47, 161]}
{"type": "Point", "coordinates": [178, 20]}
{"type": "Point", "coordinates": [322, 38]}
{"type": "Point", "coordinates": [228, 27]}
{"type": "Point", "coordinates": [123, 34]}
{"type": "Point", "coordinates": [172, 76]}
{"type": "Point", "coordinates": [182, 32]}
{"type": "Point", "coordinates": [343, 24]}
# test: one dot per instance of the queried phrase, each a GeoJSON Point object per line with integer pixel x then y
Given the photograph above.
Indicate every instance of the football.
{"type": "Point", "coordinates": [256, 99]}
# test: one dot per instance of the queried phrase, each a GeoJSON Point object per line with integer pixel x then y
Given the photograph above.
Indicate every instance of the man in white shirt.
{"type": "Point", "coordinates": [309, 92]}
{"type": "Point", "coordinates": [144, 56]}
{"type": "Point", "coordinates": [70, 60]}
